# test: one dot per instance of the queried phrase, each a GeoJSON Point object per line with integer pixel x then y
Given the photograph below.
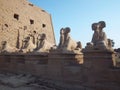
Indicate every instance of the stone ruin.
{"type": "Point", "coordinates": [38, 43]}
{"type": "Point", "coordinates": [17, 22]}
{"type": "Point", "coordinates": [27, 49]}
{"type": "Point", "coordinates": [66, 43]}
{"type": "Point", "coordinates": [28, 45]}
{"type": "Point", "coordinates": [99, 40]}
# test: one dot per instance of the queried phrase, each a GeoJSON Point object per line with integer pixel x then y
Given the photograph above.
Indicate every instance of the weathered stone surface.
{"type": "Point", "coordinates": [98, 64]}
{"type": "Point", "coordinates": [117, 60]}
{"type": "Point", "coordinates": [67, 44]}
{"type": "Point", "coordinates": [10, 81]}
{"type": "Point", "coordinates": [43, 45]}
{"type": "Point", "coordinates": [64, 64]}
{"type": "Point", "coordinates": [99, 40]}
{"type": "Point", "coordinates": [65, 67]}
{"type": "Point", "coordinates": [28, 46]}
{"type": "Point", "coordinates": [17, 81]}
{"type": "Point", "coordinates": [17, 21]}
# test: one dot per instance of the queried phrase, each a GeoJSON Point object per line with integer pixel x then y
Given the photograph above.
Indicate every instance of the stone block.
{"type": "Point", "coordinates": [61, 65]}
{"type": "Point", "coordinates": [97, 64]}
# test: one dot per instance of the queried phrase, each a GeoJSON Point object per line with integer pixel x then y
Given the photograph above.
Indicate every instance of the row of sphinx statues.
{"type": "Point", "coordinates": [39, 44]}
{"type": "Point", "coordinates": [31, 43]}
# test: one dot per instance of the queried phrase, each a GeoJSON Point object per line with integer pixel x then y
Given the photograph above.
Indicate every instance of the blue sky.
{"type": "Point", "coordinates": [80, 14]}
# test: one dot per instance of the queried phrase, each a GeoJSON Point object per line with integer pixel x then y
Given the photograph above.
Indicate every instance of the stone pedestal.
{"type": "Point", "coordinates": [17, 63]}
{"type": "Point", "coordinates": [4, 61]}
{"type": "Point", "coordinates": [97, 64]}
{"type": "Point", "coordinates": [35, 64]}
{"type": "Point", "coordinates": [12, 62]}
{"type": "Point", "coordinates": [64, 66]}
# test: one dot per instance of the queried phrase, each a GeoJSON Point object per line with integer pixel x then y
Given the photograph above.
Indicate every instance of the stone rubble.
{"type": "Point", "coordinates": [11, 81]}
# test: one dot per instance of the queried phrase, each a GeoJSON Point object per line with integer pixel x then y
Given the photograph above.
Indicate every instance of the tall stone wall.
{"type": "Point", "coordinates": [19, 18]}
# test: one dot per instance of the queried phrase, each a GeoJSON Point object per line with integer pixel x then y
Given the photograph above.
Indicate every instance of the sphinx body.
{"type": "Point", "coordinates": [6, 48]}
{"type": "Point", "coordinates": [28, 45]}
{"type": "Point", "coordinates": [99, 39]}
{"type": "Point", "coordinates": [43, 45]}
{"type": "Point", "coordinates": [66, 42]}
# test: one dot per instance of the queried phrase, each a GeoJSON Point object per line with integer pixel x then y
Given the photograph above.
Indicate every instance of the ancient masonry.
{"type": "Point", "coordinates": [22, 24]}
{"type": "Point", "coordinates": [19, 18]}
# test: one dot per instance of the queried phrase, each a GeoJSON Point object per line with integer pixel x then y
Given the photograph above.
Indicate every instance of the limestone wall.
{"type": "Point", "coordinates": [24, 63]}
{"type": "Point", "coordinates": [95, 72]}
{"type": "Point", "coordinates": [22, 16]}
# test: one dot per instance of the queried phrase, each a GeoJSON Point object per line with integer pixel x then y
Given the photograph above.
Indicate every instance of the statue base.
{"type": "Point", "coordinates": [64, 66]}
{"type": "Point", "coordinates": [35, 64]}
{"type": "Point", "coordinates": [97, 64]}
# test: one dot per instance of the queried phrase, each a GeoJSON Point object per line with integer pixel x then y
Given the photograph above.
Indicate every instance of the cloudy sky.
{"type": "Point", "coordinates": [80, 14]}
